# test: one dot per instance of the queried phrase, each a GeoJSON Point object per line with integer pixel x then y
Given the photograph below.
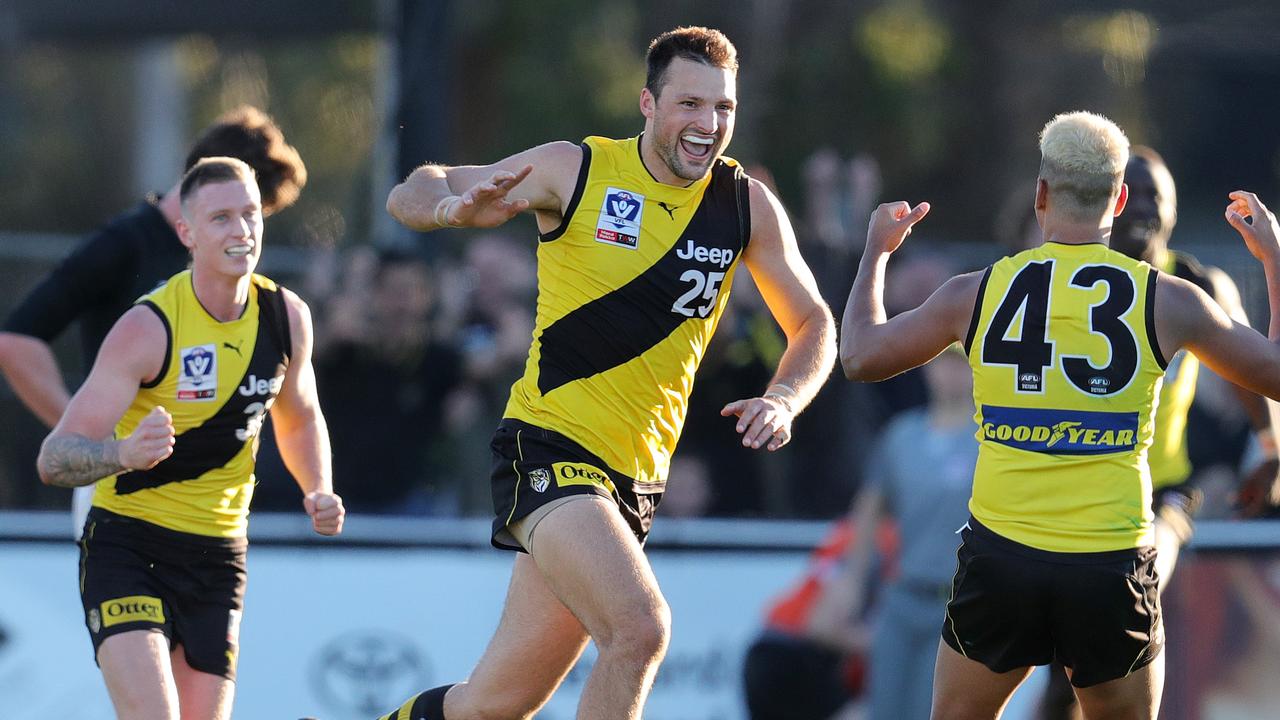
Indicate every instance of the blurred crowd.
{"type": "Point", "coordinates": [417, 345]}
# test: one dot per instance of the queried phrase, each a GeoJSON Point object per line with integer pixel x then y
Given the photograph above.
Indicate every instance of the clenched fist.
{"type": "Point", "coordinates": [326, 512]}
{"type": "Point", "coordinates": [149, 443]}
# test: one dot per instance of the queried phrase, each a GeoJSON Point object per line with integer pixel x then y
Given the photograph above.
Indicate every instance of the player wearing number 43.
{"type": "Point", "coordinates": [640, 239]}
{"type": "Point", "coordinates": [168, 422]}
{"type": "Point", "coordinates": [1068, 344]}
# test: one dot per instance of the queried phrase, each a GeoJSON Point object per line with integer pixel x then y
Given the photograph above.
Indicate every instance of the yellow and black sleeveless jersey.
{"type": "Point", "coordinates": [1170, 463]}
{"type": "Point", "coordinates": [1066, 371]}
{"type": "Point", "coordinates": [630, 288]}
{"type": "Point", "coordinates": [218, 381]}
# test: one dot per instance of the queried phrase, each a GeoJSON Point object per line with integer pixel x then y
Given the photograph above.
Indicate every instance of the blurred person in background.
{"type": "Point", "coordinates": [640, 240]}
{"type": "Point", "coordinates": [1057, 559]}
{"type": "Point", "coordinates": [486, 307]}
{"type": "Point", "coordinates": [1142, 232]}
{"type": "Point", "coordinates": [166, 429]}
{"type": "Point", "coordinates": [842, 625]}
{"type": "Point", "coordinates": [809, 663]}
{"type": "Point", "coordinates": [920, 476]}
{"type": "Point", "coordinates": [386, 376]}
{"type": "Point", "coordinates": [126, 259]}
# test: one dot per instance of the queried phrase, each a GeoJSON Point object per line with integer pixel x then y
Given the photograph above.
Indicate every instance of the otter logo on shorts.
{"type": "Point", "coordinates": [539, 479]}
{"type": "Point", "coordinates": [134, 608]}
{"type": "Point", "coordinates": [568, 473]}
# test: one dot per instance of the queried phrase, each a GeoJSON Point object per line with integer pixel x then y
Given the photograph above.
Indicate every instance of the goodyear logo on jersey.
{"type": "Point", "coordinates": [132, 608]}
{"type": "Point", "coordinates": [571, 473]}
{"type": "Point", "coordinates": [1060, 432]}
{"type": "Point", "coordinates": [619, 222]}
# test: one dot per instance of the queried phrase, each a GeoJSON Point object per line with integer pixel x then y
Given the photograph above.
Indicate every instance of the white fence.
{"type": "Point", "coordinates": [345, 629]}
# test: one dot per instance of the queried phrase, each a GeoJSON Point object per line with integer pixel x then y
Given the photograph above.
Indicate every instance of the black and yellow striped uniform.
{"type": "Point", "coordinates": [218, 381]}
{"type": "Point", "coordinates": [1170, 463]}
{"type": "Point", "coordinates": [630, 288]}
{"type": "Point", "coordinates": [1066, 374]}
{"type": "Point", "coordinates": [1057, 560]}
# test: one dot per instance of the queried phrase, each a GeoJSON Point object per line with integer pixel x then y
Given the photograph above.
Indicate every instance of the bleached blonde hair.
{"type": "Point", "coordinates": [1082, 158]}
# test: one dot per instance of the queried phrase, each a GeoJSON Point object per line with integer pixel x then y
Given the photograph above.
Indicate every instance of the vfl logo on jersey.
{"type": "Point", "coordinates": [1060, 432]}
{"type": "Point", "coordinates": [619, 222]}
{"type": "Point", "coordinates": [197, 373]}
{"type": "Point", "coordinates": [539, 479]}
{"type": "Point", "coordinates": [568, 473]}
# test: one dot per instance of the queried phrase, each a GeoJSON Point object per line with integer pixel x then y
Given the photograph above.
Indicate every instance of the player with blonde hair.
{"type": "Point", "coordinates": [1068, 344]}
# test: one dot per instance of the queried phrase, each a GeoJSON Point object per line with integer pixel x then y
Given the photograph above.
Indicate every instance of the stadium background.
{"type": "Point", "coordinates": [903, 98]}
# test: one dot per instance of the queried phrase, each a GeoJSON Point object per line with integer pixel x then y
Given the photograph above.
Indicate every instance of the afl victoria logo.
{"type": "Point", "coordinates": [356, 673]}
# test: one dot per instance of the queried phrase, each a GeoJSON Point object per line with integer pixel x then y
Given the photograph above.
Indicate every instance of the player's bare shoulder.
{"type": "Point", "coordinates": [556, 166]}
{"type": "Point", "coordinates": [301, 334]}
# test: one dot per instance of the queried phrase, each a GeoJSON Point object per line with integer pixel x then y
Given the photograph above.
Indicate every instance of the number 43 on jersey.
{"type": "Point", "coordinates": [1031, 350]}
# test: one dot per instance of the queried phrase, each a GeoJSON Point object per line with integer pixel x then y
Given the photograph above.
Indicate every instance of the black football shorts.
{"type": "Point", "coordinates": [138, 576]}
{"type": "Point", "coordinates": [1014, 606]}
{"type": "Point", "coordinates": [533, 466]}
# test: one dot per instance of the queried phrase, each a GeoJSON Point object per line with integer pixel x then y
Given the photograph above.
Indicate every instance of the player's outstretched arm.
{"type": "Point", "coordinates": [81, 450]}
{"type": "Point", "coordinates": [436, 196]}
{"type": "Point", "coordinates": [788, 288]}
{"type": "Point", "coordinates": [301, 433]}
{"type": "Point", "coordinates": [1187, 317]}
{"type": "Point", "coordinates": [874, 347]}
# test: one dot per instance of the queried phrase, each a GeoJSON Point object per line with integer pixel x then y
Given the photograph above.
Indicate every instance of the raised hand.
{"type": "Point", "coordinates": [1262, 237]}
{"type": "Point", "coordinates": [150, 442]}
{"type": "Point", "coordinates": [485, 204]}
{"type": "Point", "coordinates": [326, 511]}
{"type": "Point", "coordinates": [891, 223]}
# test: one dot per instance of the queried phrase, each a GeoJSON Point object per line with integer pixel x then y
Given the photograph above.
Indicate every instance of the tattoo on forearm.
{"type": "Point", "coordinates": [75, 460]}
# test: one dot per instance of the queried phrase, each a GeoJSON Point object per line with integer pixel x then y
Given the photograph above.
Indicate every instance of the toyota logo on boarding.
{"type": "Point", "coordinates": [359, 672]}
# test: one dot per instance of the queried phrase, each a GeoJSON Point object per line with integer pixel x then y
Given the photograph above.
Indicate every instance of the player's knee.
{"type": "Point", "coordinates": [643, 637]}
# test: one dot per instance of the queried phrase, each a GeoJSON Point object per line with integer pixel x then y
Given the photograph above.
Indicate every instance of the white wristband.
{"type": "Point", "coordinates": [441, 215]}
{"type": "Point", "coordinates": [783, 393]}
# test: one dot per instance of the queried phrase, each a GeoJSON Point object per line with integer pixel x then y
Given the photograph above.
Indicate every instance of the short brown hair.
{"type": "Point", "coordinates": [211, 170]}
{"type": "Point", "coordinates": [699, 44]}
{"type": "Point", "coordinates": [248, 134]}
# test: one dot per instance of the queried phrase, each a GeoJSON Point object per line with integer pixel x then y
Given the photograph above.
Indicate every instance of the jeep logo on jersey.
{"type": "Point", "coordinates": [1060, 432]}
{"type": "Point", "coordinates": [720, 257]}
{"type": "Point", "coordinates": [255, 386]}
{"type": "Point", "coordinates": [539, 479]}
{"type": "Point", "coordinates": [197, 372]}
{"type": "Point", "coordinates": [620, 216]}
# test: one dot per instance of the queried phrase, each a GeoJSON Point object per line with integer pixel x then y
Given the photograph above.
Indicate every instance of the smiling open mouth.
{"type": "Point", "coordinates": [239, 250]}
{"type": "Point", "coordinates": [696, 145]}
